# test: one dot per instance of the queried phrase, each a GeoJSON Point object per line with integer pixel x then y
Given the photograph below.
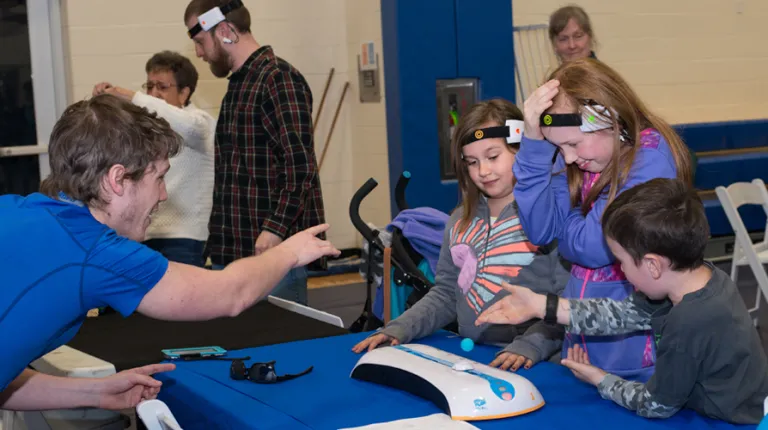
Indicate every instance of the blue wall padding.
{"type": "Point", "coordinates": [724, 170]}
{"type": "Point", "coordinates": [714, 171]}
{"type": "Point", "coordinates": [753, 217]}
{"type": "Point", "coordinates": [716, 136]}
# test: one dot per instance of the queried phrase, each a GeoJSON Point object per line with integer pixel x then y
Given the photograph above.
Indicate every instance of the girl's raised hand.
{"type": "Point", "coordinates": [539, 101]}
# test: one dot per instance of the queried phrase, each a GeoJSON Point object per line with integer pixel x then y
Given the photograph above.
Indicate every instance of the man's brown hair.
{"type": "Point", "coordinates": [94, 135]}
{"type": "Point", "coordinates": [239, 17]}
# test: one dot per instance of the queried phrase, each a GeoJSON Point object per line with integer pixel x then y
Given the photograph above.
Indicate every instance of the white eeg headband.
{"type": "Point", "coordinates": [209, 19]}
{"type": "Point", "coordinates": [595, 118]}
{"type": "Point", "coordinates": [515, 130]}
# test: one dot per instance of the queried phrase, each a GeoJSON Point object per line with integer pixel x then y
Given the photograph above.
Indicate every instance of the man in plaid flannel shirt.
{"type": "Point", "coordinates": [266, 185]}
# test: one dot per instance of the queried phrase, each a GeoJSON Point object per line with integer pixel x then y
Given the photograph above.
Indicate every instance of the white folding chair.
{"type": "Point", "coordinates": [746, 253]}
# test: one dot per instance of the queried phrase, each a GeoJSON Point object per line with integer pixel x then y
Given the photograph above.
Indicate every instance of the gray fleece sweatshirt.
{"type": "Point", "coordinates": [472, 264]}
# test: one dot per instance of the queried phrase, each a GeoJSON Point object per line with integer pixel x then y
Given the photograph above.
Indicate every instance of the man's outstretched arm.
{"type": "Point", "coordinates": [188, 293]}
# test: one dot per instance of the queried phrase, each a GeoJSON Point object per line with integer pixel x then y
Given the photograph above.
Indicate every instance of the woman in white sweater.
{"type": "Point", "coordinates": [179, 227]}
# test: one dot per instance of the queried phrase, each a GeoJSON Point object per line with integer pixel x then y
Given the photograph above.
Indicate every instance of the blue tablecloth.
{"type": "Point", "coordinates": [202, 396]}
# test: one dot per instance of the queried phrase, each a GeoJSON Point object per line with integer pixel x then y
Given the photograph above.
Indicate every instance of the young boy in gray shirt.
{"type": "Point", "coordinates": [709, 356]}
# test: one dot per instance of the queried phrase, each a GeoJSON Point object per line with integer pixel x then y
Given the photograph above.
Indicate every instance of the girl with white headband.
{"type": "Point", "coordinates": [606, 142]}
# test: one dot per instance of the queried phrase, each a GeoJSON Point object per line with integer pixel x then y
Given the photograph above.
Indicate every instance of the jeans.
{"type": "Point", "coordinates": [292, 287]}
{"type": "Point", "coordinates": [187, 251]}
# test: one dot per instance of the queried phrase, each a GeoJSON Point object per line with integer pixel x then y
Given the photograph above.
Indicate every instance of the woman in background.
{"type": "Point", "coordinates": [570, 32]}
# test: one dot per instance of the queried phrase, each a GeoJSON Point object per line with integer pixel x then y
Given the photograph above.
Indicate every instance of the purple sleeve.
{"type": "Point", "coordinates": [580, 238]}
{"type": "Point", "coordinates": [541, 191]}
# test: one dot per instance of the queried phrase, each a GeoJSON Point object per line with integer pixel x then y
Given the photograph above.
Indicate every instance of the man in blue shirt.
{"type": "Point", "coordinates": [75, 246]}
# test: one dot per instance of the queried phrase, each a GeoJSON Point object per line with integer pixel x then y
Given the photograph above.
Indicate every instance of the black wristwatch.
{"type": "Point", "coordinates": [550, 315]}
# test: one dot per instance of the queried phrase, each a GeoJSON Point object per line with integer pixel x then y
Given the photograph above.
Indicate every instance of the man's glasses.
{"type": "Point", "coordinates": [261, 373]}
{"type": "Point", "coordinates": [162, 86]}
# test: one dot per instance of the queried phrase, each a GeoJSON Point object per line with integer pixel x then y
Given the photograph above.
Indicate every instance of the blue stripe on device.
{"type": "Point", "coordinates": [503, 389]}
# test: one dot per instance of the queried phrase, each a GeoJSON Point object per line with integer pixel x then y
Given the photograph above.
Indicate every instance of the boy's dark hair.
{"type": "Point", "coordinates": [94, 135]}
{"type": "Point", "coordinates": [240, 17]}
{"type": "Point", "coordinates": [662, 216]}
{"type": "Point", "coordinates": [183, 70]}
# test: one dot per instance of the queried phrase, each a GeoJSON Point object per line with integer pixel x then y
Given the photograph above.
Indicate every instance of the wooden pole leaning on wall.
{"type": "Point", "coordinates": [322, 101]}
{"type": "Point", "coordinates": [333, 124]}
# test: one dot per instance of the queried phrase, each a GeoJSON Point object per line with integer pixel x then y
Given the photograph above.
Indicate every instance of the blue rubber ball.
{"type": "Point", "coordinates": [467, 344]}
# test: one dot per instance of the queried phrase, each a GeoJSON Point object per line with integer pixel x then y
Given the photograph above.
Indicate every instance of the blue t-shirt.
{"type": "Point", "coordinates": [57, 262]}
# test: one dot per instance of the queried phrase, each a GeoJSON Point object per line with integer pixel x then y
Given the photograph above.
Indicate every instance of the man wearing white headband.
{"type": "Point", "coordinates": [266, 184]}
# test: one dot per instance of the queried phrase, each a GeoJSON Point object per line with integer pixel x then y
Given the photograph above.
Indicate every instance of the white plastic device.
{"type": "Point", "coordinates": [466, 390]}
{"type": "Point", "coordinates": [156, 416]}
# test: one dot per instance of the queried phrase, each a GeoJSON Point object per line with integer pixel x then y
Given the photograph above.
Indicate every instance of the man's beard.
{"type": "Point", "coordinates": [220, 66]}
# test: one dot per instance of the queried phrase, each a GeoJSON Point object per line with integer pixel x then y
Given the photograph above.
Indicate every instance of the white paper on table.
{"type": "Point", "coordinates": [441, 421]}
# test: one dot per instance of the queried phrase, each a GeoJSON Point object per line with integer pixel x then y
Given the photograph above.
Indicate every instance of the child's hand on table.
{"type": "Point", "coordinates": [511, 362]}
{"type": "Point", "coordinates": [373, 341]}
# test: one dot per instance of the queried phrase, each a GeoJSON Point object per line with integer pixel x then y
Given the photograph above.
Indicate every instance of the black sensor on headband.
{"type": "Point", "coordinates": [487, 133]}
{"type": "Point", "coordinates": [560, 120]}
